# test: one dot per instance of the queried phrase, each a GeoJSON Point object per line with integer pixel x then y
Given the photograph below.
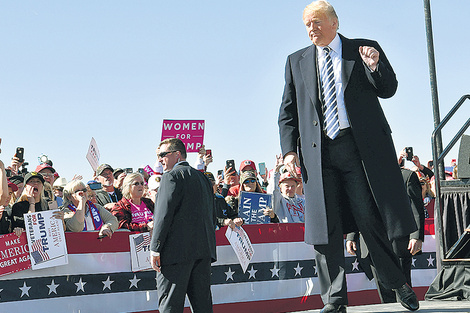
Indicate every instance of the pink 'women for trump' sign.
{"type": "Point", "coordinates": [191, 132]}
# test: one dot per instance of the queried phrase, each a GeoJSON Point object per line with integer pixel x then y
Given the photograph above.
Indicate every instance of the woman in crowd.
{"type": "Point", "coordinates": [83, 215]}
{"type": "Point", "coordinates": [287, 204]}
{"type": "Point", "coordinates": [133, 211]}
{"type": "Point", "coordinates": [31, 200]}
{"type": "Point", "coordinates": [249, 183]}
{"type": "Point", "coordinates": [226, 215]}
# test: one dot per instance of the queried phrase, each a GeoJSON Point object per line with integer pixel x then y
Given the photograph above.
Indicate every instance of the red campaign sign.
{"type": "Point", "coordinates": [14, 253]}
{"type": "Point", "coordinates": [191, 132]}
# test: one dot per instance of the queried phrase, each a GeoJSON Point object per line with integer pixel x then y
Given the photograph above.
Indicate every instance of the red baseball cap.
{"type": "Point", "coordinates": [285, 176]}
{"type": "Point", "coordinates": [247, 163]}
{"type": "Point", "coordinates": [13, 186]}
{"type": "Point", "coordinates": [44, 166]}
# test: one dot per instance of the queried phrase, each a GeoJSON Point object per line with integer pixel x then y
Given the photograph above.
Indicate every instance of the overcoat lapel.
{"type": "Point", "coordinates": [308, 68]}
{"type": "Point", "coordinates": [347, 62]}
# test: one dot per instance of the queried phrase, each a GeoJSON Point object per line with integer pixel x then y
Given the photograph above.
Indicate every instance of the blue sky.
{"type": "Point", "coordinates": [113, 70]}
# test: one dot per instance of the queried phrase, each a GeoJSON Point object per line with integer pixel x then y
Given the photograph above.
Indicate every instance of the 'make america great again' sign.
{"type": "Point", "coordinates": [14, 254]}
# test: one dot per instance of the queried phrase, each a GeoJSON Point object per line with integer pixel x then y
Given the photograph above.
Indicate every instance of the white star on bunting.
{"type": "Point", "coordinates": [355, 265]}
{"type": "Point", "coordinates": [430, 261]}
{"type": "Point", "coordinates": [274, 271]}
{"type": "Point", "coordinates": [80, 285]}
{"type": "Point", "coordinates": [298, 270]}
{"type": "Point", "coordinates": [229, 274]}
{"type": "Point", "coordinates": [53, 287]}
{"type": "Point", "coordinates": [107, 283]}
{"type": "Point", "coordinates": [413, 261]}
{"type": "Point", "coordinates": [252, 273]}
{"type": "Point", "coordinates": [24, 290]}
{"type": "Point", "coordinates": [134, 282]}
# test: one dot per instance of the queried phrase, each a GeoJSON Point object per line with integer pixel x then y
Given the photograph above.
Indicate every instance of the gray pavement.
{"type": "Point", "coordinates": [425, 307]}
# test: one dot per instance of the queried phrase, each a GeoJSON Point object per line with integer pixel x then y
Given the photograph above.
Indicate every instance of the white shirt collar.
{"type": "Point", "coordinates": [335, 45]}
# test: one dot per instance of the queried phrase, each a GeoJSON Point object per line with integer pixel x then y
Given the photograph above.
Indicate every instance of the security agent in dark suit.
{"type": "Point", "coordinates": [343, 174]}
{"type": "Point", "coordinates": [183, 240]}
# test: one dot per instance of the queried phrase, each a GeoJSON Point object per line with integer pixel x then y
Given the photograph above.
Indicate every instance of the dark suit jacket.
{"type": "Point", "coordinates": [414, 191]}
{"type": "Point", "coordinates": [300, 127]}
{"type": "Point", "coordinates": [184, 216]}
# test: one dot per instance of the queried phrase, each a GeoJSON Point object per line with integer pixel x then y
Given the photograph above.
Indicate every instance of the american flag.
{"type": "Point", "coordinates": [37, 252]}
{"type": "Point", "coordinates": [141, 241]}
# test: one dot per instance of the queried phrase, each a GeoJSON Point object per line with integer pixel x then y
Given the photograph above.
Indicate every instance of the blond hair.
{"type": "Point", "coordinates": [320, 7]}
{"type": "Point", "coordinates": [128, 181]}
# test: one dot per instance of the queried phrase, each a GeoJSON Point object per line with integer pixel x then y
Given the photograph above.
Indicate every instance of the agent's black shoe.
{"type": "Point", "coordinates": [407, 297]}
{"type": "Point", "coordinates": [333, 308]}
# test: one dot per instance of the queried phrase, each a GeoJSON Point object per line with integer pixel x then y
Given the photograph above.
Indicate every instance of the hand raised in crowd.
{"type": "Point", "coordinates": [58, 215]}
{"type": "Point", "coordinates": [401, 156]}
{"type": "Point", "coordinates": [370, 56]}
{"type": "Point", "coordinates": [105, 231]}
{"type": "Point", "coordinates": [228, 175]}
{"type": "Point", "coordinates": [77, 177]}
{"type": "Point", "coordinates": [416, 161]}
{"type": "Point", "coordinates": [415, 245]}
{"type": "Point", "coordinates": [15, 165]}
{"type": "Point", "coordinates": [201, 152]}
{"type": "Point", "coordinates": [238, 221]}
{"type": "Point", "coordinates": [28, 191]}
{"type": "Point", "coordinates": [279, 163]}
{"type": "Point", "coordinates": [81, 197]}
{"type": "Point", "coordinates": [18, 231]}
{"type": "Point", "coordinates": [207, 159]}
{"type": "Point", "coordinates": [219, 179]}
{"type": "Point", "coordinates": [351, 247]}
{"type": "Point", "coordinates": [269, 212]}
{"type": "Point", "coordinates": [291, 160]}
{"type": "Point", "coordinates": [109, 206]}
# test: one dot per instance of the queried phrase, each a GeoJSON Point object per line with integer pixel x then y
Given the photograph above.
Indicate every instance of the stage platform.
{"type": "Point", "coordinates": [424, 307]}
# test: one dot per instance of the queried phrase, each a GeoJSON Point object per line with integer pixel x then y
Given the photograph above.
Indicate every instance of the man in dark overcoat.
{"type": "Point", "coordinates": [351, 181]}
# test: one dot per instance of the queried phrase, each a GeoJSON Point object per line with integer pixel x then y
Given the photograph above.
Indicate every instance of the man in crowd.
{"type": "Point", "coordinates": [47, 172]}
{"type": "Point", "coordinates": [331, 116]}
{"type": "Point", "coordinates": [183, 240]}
{"type": "Point", "coordinates": [108, 195]}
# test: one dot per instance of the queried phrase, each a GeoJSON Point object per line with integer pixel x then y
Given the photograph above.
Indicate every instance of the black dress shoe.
{"type": "Point", "coordinates": [407, 297]}
{"type": "Point", "coordinates": [333, 308]}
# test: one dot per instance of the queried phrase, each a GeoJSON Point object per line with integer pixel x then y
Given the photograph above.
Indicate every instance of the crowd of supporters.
{"type": "Point", "coordinates": [117, 198]}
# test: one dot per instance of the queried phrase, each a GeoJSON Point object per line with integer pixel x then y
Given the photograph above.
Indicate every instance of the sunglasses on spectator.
{"type": "Point", "coordinates": [47, 174]}
{"type": "Point", "coordinates": [163, 154]}
{"type": "Point", "coordinates": [138, 183]}
{"type": "Point", "coordinates": [84, 190]}
{"type": "Point", "coordinates": [249, 181]}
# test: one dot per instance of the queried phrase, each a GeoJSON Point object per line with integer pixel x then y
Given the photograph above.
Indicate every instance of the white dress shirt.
{"type": "Point", "coordinates": [336, 58]}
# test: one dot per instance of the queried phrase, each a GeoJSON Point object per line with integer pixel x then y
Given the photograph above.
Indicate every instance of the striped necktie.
{"type": "Point", "coordinates": [330, 108]}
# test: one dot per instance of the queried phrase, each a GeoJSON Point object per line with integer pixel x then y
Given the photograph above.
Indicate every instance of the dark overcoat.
{"type": "Point", "coordinates": [300, 127]}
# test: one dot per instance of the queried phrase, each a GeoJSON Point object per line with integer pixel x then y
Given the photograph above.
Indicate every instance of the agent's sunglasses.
{"type": "Point", "coordinates": [164, 154]}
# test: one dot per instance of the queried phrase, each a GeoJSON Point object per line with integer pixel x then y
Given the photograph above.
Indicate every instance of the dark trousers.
{"type": "Point", "coordinates": [176, 280]}
{"type": "Point", "coordinates": [346, 188]}
{"type": "Point", "coordinates": [400, 247]}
